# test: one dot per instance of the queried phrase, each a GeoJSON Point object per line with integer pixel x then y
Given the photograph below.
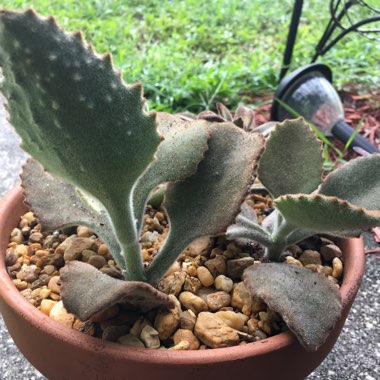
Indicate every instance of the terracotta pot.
{"type": "Point", "coordinates": [62, 353]}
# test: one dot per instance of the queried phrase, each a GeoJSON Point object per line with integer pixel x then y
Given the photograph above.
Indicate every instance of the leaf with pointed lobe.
{"type": "Point", "coordinates": [76, 116]}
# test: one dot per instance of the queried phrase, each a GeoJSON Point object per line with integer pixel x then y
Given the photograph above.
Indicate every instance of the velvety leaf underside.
{"type": "Point", "coordinates": [308, 302]}
{"type": "Point", "coordinates": [86, 291]}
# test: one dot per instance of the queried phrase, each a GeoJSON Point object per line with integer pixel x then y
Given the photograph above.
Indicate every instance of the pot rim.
{"type": "Point", "coordinates": [353, 271]}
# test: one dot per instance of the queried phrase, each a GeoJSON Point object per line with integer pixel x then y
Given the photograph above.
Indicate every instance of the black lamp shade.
{"type": "Point", "coordinates": [308, 92]}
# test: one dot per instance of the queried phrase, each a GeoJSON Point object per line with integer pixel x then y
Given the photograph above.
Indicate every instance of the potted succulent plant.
{"type": "Point", "coordinates": [102, 158]}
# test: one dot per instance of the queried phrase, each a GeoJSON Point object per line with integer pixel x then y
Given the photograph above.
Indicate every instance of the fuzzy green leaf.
{"type": "Point", "coordinates": [308, 302]}
{"type": "Point", "coordinates": [58, 204]}
{"type": "Point", "coordinates": [357, 182]}
{"type": "Point", "coordinates": [73, 111]}
{"type": "Point", "coordinates": [178, 156]}
{"type": "Point", "coordinates": [292, 161]}
{"type": "Point", "coordinates": [76, 116]}
{"type": "Point", "coordinates": [252, 232]}
{"type": "Point", "coordinates": [208, 202]}
{"type": "Point", "coordinates": [86, 291]}
{"type": "Point", "coordinates": [246, 227]}
{"type": "Point", "coordinates": [324, 214]}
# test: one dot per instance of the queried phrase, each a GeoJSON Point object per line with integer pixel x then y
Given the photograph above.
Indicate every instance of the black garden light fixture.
{"type": "Point", "coordinates": [308, 91]}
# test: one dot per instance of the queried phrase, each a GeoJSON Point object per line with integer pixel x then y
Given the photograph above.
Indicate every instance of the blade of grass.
{"type": "Point", "coordinates": [351, 139]}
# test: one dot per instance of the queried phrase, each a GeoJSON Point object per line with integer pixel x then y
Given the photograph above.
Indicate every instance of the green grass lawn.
{"type": "Point", "coordinates": [190, 53]}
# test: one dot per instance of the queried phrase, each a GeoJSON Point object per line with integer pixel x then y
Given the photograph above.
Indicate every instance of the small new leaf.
{"type": "Point", "coordinates": [177, 157]}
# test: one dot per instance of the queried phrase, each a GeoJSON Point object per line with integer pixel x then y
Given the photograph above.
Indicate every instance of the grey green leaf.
{"type": "Point", "coordinates": [292, 161]}
{"type": "Point", "coordinates": [308, 302]}
{"type": "Point", "coordinates": [208, 202]}
{"type": "Point", "coordinates": [325, 214]}
{"type": "Point", "coordinates": [357, 182]}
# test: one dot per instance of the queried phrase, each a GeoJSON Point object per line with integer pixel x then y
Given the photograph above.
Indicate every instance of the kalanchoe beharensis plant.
{"type": "Point", "coordinates": [346, 203]}
{"type": "Point", "coordinates": [88, 129]}
{"type": "Point", "coordinates": [102, 156]}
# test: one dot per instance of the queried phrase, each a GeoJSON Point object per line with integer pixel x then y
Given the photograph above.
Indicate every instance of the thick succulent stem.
{"type": "Point", "coordinates": [165, 258]}
{"type": "Point", "coordinates": [130, 260]}
{"type": "Point", "coordinates": [279, 238]}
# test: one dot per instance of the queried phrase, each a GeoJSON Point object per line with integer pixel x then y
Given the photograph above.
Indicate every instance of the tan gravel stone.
{"type": "Point", "coordinates": [192, 284]}
{"type": "Point", "coordinates": [213, 332]}
{"type": "Point", "coordinates": [49, 269]}
{"type": "Point", "coordinates": [253, 325]}
{"type": "Point", "coordinates": [187, 320]}
{"type": "Point", "coordinates": [181, 346]}
{"type": "Point", "coordinates": [205, 277]}
{"type": "Point", "coordinates": [235, 268]}
{"type": "Point", "coordinates": [175, 267]}
{"type": "Point", "coordinates": [36, 237]}
{"type": "Point", "coordinates": [337, 268]}
{"type": "Point", "coordinates": [167, 321]}
{"type": "Point", "coordinates": [76, 247]}
{"type": "Point", "coordinates": [310, 257]}
{"type": "Point", "coordinates": [59, 313]}
{"type": "Point", "coordinates": [223, 283]}
{"type": "Point", "coordinates": [173, 283]}
{"type": "Point", "coordinates": [138, 326]}
{"type": "Point", "coordinates": [47, 305]}
{"type": "Point", "coordinates": [29, 273]}
{"type": "Point", "coordinates": [216, 266]}
{"type": "Point", "coordinates": [149, 337]}
{"type": "Point", "coordinates": [217, 300]}
{"type": "Point", "coordinates": [21, 250]}
{"type": "Point", "coordinates": [193, 302]}
{"type": "Point", "coordinates": [328, 270]}
{"type": "Point", "coordinates": [232, 319]}
{"type": "Point", "coordinates": [198, 246]}
{"type": "Point", "coordinates": [292, 261]}
{"type": "Point", "coordinates": [83, 231]}
{"type": "Point", "coordinates": [188, 336]}
{"type": "Point", "coordinates": [131, 340]}
{"type": "Point", "coordinates": [97, 261]}
{"type": "Point", "coordinates": [103, 250]}
{"type": "Point", "coordinates": [17, 236]}
{"type": "Point", "coordinates": [54, 284]}
{"type": "Point", "coordinates": [241, 299]}
{"type": "Point", "coordinates": [19, 284]}
{"type": "Point", "coordinates": [330, 251]}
